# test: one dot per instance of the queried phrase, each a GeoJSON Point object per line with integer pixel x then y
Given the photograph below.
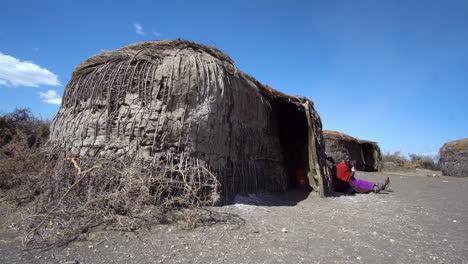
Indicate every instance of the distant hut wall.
{"type": "Point", "coordinates": [372, 157]}
{"type": "Point", "coordinates": [183, 105]}
{"type": "Point", "coordinates": [338, 149]}
{"type": "Point", "coordinates": [366, 155]}
{"type": "Point", "coordinates": [453, 158]}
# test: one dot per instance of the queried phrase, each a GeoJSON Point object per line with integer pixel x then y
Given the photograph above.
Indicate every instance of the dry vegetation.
{"type": "Point", "coordinates": [397, 161]}
{"type": "Point", "coordinates": [65, 197]}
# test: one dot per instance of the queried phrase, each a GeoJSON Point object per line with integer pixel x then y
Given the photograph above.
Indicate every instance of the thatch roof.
{"type": "Point", "coordinates": [176, 101]}
{"type": "Point", "coordinates": [154, 51]}
{"type": "Point", "coordinates": [366, 153]}
{"type": "Point", "coordinates": [336, 135]}
{"type": "Point", "coordinates": [149, 50]}
{"type": "Point", "coordinates": [453, 157]}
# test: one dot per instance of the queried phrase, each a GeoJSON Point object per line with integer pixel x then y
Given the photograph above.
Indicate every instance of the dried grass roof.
{"type": "Point", "coordinates": [460, 145]}
{"type": "Point", "coordinates": [148, 50]}
{"type": "Point", "coordinates": [336, 135]}
{"type": "Point", "coordinates": [155, 50]}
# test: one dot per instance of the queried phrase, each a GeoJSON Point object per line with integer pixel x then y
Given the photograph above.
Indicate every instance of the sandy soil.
{"type": "Point", "coordinates": [424, 220]}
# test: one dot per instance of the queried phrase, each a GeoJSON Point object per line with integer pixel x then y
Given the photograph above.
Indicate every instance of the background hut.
{"type": "Point", "coordinates": [453, 158]}
{"type": "Point", "coordinates": [366, 153]}
{"type": "Point", "coordinates": [175, 102]}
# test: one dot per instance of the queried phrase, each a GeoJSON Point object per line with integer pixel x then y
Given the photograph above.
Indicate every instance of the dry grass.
{"type": "Point", "coordinates": [456, 146]}
{"type": "Point", "coordinates": [398, 162]}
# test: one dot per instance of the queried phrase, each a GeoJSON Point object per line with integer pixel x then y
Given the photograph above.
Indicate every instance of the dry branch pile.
{"type": "Point", "coordinates": [67, 197]}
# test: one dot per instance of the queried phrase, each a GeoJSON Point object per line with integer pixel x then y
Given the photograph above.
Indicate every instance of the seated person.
{"type": "Point", "coordinates": [338, 185]}
{"type": "Point", "coordinates": [345, 175]}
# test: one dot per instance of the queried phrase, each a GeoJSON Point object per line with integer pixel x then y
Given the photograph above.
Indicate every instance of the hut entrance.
{"type": "Point", "coordinates": [292, 130]}
{"type": "Point", "coordinates": [367, 152]}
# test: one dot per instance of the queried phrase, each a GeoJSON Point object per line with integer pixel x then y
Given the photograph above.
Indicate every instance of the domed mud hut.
{"type": "Point", "coordinates": [453, 158]}
{"type": "Point", "coordinates": [366, 153]}
{"type": "Point", "coordinates": [178, 102]}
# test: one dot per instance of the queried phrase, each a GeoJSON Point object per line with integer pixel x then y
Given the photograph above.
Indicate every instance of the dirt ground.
{"type": "Point", "coordinates": [424, 220]}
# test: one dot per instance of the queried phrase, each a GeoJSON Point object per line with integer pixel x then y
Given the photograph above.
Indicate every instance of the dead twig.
{"type": "Point", "coordinates": [80, 172]}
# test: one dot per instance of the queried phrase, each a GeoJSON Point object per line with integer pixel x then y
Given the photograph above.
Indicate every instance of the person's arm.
{"type": "Point", "coordinates": [352, 171]}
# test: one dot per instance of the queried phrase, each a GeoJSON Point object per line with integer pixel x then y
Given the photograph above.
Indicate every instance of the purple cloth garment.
{"type": "Point", "coordinates": [361, 186]}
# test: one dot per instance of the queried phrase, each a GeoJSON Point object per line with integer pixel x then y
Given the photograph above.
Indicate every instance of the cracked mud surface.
{"type": "Point", "coordinates": [424, 220]}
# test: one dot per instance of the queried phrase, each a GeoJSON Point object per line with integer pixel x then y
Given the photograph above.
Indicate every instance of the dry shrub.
{"type": "Point", "coordinates": [19, 163]}
{"type": "Point", "coordinates": [69, 197]}
{"type": "Point", "coordinates": [397, 161]}
{"type": "Point", "coordinates": [23, 121]}
{"type": "Point", "coordinates": [423, 162]}
{"type": "Point", "coordinates": [396, 158]}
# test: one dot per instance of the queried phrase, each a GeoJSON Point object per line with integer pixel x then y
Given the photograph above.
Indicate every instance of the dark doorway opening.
{"type": "Point", "coordinates": [293, 135]}
{"type": "Point", "coordinates": [368, 156]}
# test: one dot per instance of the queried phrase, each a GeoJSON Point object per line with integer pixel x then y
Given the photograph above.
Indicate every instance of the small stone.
{"type": "Point", "coordinates": [454, 221]}
{"type": "Point", "coordinates": [284, 230]}
{"type": "Point", "coordinates": [392, 241]}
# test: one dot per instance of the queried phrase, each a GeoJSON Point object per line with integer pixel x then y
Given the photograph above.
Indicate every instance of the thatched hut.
{"type": "Point", "coordinates": [175, 101]}
{"type": "Point", "coordinates": [366, 153]}
{"type": "Point", "coordinates": [453, 158]}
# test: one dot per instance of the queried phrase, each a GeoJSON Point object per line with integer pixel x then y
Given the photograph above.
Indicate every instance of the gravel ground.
{"type": "Point", "coordinates": [424, 220]}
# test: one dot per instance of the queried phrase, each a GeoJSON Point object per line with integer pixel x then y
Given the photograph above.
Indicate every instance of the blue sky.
{"type": "Point", "coordinates": [394, 72]}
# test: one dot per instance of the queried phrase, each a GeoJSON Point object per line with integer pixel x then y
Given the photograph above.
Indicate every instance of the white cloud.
{"type": "Point", "coordinates": [51, 97]}
{"type": "Point", "coordinates": [156, 34]}
{"type": "Point", "coordinates": [14, 72]}
{"type": "Point", "coordinates": [138, 29]}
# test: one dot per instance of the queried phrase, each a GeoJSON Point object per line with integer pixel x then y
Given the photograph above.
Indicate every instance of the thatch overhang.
{"type": "Point", "coordinates": [165, 101]}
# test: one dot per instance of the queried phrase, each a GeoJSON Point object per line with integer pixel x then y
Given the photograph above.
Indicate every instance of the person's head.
{"type": "Point", "coordinates": [347, 160]}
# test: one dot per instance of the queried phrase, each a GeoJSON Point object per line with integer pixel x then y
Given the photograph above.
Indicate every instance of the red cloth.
{"type": "Point", "coordinates": [343, 172]}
